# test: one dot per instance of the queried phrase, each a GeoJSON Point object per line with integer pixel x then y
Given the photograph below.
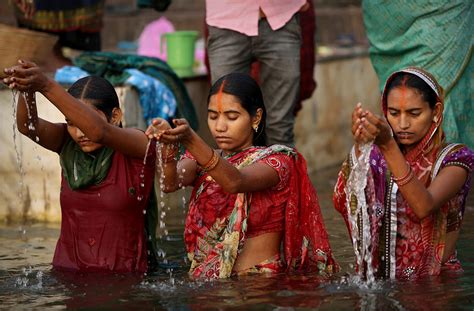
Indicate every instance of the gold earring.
{"type": "Point", "coordinates": [255, 128]}
{"type": "Point", "coordinates": [435, 119]}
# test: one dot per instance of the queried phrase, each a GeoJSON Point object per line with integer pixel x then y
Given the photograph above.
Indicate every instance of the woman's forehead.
{"type": "Point", "coordinates": [405, 96]}
{"type": "Point", "coordinates": [224, 102]}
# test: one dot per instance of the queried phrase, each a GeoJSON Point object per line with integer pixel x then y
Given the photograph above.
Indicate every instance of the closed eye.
{"type": "Point", "coordinates": [232, 116]}
{"type": "Point", "coordinates": [212, 115]}
{"type": "Point", "coordinates": [393, 112]}
{"type": "Point", "coordinates": [414, 112]}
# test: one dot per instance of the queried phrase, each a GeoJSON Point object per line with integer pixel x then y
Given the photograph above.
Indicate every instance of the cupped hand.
{"type": "Point", "coordinates": [26, 77]}
{"type": "Point", "coordinates": [375, 128]}
{"type": "Point", "coordinates": [182, 133]}
{"type": "Point", "coordinates": [157, 127]}
{"type": "Point", "coordinates": [356, 128]}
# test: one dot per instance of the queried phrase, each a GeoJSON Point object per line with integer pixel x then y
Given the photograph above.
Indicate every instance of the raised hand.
{"type": "Point", "coordinates": [157, 127]}
{"type": "Point", "coordinates": [376, 128]}
{"type": "Point", "coordinates": [26, 76]}
{"type": "Point", "coordinates": [357, 125]}
{"type": "Point", "coordinates": [367, 127]}
{"type": "Point", "coordinates": [182, 133]}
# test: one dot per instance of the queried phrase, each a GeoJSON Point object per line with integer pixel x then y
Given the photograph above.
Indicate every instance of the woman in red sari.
{"type": "Point", "coordinates": [248, 199]}
{"type": "Point", "coordinates": [416, 184]}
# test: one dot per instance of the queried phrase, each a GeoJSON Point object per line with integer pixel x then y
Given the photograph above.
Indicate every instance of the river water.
{"type": "Point", "coordinates": [28, 283]}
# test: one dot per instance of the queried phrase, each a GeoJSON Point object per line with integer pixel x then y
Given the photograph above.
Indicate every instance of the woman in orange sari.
{"type": "Point", "coordinates": [416, 184]}
{"type": "Point", "coordinates": [253, 208]}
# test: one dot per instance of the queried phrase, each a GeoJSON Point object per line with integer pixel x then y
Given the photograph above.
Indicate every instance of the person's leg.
{"type": "Point", "coordinates": [228, 51]}
{"type": "Point", "coordinates": [279, 55]}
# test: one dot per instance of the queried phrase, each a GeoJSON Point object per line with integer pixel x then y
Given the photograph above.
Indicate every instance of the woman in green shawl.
{"type": "Point", "coordinates": [106, 183]}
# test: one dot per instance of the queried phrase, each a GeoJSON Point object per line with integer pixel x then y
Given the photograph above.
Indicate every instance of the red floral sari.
{"type": "Point", "coordinates": [218, 222]}
{"type": "Point", "coordinates": [403, 246]}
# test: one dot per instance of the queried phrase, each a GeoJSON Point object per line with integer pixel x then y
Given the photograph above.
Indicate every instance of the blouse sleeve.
{"type": "Point", "coordinates": [281, 164]}
{"type": "Point", "coordinates": [463, 157]}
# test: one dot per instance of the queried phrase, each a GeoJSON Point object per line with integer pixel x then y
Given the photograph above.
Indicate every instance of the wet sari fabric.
{"type": "Point", "coordinates": [102, 227]}
{"type": "Point", "coordinates": [218, 222]}
{"type": "Point", "coordinates": [403, 246]}
{"type": "Point", "coordinates": [406, 246]}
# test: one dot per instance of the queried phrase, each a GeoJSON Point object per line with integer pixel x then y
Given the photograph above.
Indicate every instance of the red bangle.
{"type": "Point", "coordinates": [212, 163]}
{"type": "Point", "coordinates": [406, 178]}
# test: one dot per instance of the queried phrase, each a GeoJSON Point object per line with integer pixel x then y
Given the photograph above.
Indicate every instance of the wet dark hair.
{"type": "Point", "coordinates": [98, 91]}
{"type": "Point", "coordinates": [248, 93]}
{"type": "Point", "coordinates": [414, 82]}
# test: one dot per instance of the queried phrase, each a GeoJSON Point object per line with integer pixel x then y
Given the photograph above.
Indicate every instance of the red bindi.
{"type": "Point", "coordinates": [219, 97]}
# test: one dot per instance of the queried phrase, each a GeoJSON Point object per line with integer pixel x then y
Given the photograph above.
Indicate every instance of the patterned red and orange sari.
{"type": "Point", "coordinates": [217, 222]}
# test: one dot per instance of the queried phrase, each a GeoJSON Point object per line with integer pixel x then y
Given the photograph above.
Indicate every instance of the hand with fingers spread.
{"type": "Point", "coordinates": [26, 76]}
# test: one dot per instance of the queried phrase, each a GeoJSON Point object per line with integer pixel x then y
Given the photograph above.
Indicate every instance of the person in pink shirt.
{"type": "Point", "coordinates": [241, 32]}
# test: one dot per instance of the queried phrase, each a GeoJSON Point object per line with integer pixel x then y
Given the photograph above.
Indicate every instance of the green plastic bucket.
{"type": "Point", "coordinates": [180, 51]}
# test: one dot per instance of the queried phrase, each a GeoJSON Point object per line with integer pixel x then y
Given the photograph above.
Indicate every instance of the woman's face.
{"type": "Point", "coordinates": [78, 136]}
{"type": "Point", "coordinates": [409, 115]}
{"type": "Point", "coordinates": [230, 123]}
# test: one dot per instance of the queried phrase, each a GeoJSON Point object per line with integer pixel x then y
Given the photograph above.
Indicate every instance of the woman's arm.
{"type": "Point", "coordinates": [28, 77]}
{"type": "Point", "coordinates": [255, 177]}
{"type": "Point", "coordinates": [46, 134]}
{"type": "Point", "coordinates": [422, 200]}
{"type": "Point", "coordinates": [172, 174]}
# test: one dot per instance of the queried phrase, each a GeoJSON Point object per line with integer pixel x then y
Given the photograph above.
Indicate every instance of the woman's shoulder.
{"type": "Point", "coordinates": [455, 154]}
{"type": "Point", "coordinates": [277, 150]}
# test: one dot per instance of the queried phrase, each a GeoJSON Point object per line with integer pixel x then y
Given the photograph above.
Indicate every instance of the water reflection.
{"type": "Point", "coordinates": [33, 246]}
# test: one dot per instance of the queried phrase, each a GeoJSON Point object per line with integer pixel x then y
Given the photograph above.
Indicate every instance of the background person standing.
{"type": "Point", "coordinates": [266, 31]}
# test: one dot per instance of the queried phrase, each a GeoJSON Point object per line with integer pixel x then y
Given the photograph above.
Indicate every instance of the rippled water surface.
{"type": "Point", "coordinates": [27, 281]}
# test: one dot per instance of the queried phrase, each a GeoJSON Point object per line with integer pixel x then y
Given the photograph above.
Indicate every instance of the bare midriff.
{"type": "Point", "coordinates": [258, 249]}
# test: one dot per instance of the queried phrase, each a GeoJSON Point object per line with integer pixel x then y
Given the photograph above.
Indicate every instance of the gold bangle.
{"type": "Point", "coordinates": [212, 163]}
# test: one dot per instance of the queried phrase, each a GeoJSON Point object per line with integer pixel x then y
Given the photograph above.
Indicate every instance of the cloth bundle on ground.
{"type": "Point", "coordinates": [162, 92]}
